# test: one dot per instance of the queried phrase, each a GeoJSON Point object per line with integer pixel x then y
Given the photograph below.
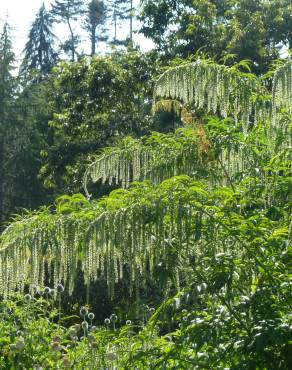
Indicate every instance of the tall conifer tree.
{"type": "Point", "coordinates": [39, 50]}
{"type": "Point", "coordinates": [96, 16]}
{"type": "Point", "coordinates": [67, 11]}
{"type": "Point", "coordinates": [7, 85]}
{"type": "Point", "coordinates": [122, 10]}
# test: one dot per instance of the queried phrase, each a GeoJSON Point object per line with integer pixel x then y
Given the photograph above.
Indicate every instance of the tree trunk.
{"type": "Point", "coordinates": [131, 21]}
{"type": "Point", "coordinates": [93, 40]}
{"type": "Point", "coordinates": [72, 41]}
{"type": "Point", "coordinates": [115, 20]}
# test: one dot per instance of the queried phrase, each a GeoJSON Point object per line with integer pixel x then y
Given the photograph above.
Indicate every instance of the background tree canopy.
{"type": "Point", "coordinates": [131, 180]}
{"type": "Point", "coordinates": [246, 29]}
{"type": "Point", "coordinates": [93, 104]}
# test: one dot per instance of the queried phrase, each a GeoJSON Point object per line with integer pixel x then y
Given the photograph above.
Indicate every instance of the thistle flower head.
{"type": "Point", "coordinates": [113, 317]}
{"type": "Point", "coordinates": [107, 321]}
{"type": "Point", "coordinates": [27, 297]}
{"type": "Point", "coordinates": [84, 325]}
{"type": "Point", "coordinates": [60, 288]}
{"type": "Point", "coordinates": [83, 311]}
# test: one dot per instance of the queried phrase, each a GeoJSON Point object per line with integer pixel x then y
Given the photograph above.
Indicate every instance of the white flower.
{"type": "Point", "coordinates": [113, 317]}
{"type": "Point", "coordinates": [83, 311]}
{"type": "Point", "coordinates": [84, 325]}
{"type": "Point", "coordinates": [60, 288]}
{"type": "Point", "coordinates": [107, 321]}
{"type": "Point", "coordinates": [27, 297]}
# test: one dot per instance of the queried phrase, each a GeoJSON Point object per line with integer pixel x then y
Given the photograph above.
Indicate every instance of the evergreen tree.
{"type": "Point", "coordinates": [67, 11]}
{"type": "Point", "coordinates": [122, 10]}
{"type": "Point", "coordinates": [39, 50]}
{"type": "Point", "coordinates": [96, 16]}
{"type": "Point", "coordinates": [7, 84]}
{"type": "Point", "coordinates": [21, 120]}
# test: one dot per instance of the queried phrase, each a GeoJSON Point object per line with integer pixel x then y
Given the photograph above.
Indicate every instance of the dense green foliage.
{"type": "Point", "coordinates": [94, 103]}
{"type": "Point", "coordinates": [222, 243]}
{"type": "Point", "coordinates": [246, 29]}
{"type": "Point", "coordinates": [193, 218]}
{"type": "Point", "coordinates": [235, 311]}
